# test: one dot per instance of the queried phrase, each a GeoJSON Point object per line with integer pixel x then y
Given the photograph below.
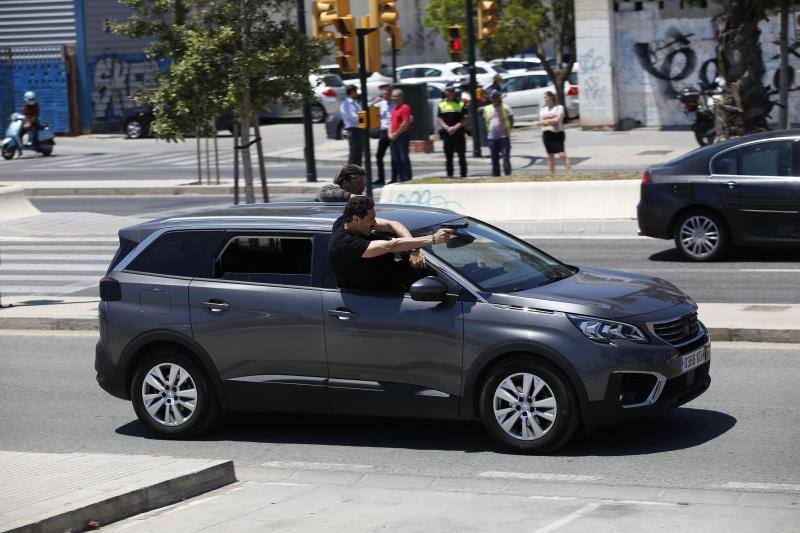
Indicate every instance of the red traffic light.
{"type": "Point", "coordinates": [455, 45]}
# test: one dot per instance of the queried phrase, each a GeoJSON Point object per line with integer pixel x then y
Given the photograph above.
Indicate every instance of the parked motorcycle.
{"type": "Point", "coordinates": [13, 141]}
{"type": "Point", "coordinates": [700, 102]}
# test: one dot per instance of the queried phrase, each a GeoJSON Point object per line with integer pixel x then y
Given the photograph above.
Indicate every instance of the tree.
{"type": "Point", "coordinates": [224, 56]}
{"type": "Point", "coordinates": [529, 24]}
{"type": "Point", "coordinates": [784, 71]}
{"type": "Point", "coordinates": [441, 14]}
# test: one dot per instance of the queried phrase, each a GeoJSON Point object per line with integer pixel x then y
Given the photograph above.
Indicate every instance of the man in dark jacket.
{"type": "Point", "coordinates": [352, 179]}
{"type": "Point", "coordinates": [30, 110]}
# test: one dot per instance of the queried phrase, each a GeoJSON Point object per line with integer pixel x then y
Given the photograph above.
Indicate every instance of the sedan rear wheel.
{"type": "Point", "coordinates": [171, 395]}
{"type": "Point", "coordinates": [134, 129]}
{"type": "Point", "coordinates": [528, 407]}
{"type": "Point", "coordinates": [701, 236]}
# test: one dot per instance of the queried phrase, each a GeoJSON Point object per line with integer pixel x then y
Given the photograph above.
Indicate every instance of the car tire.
{"type": "Point", "coordinates": [318, 114]}
{"type": "Point", "coordinates": [514, 425]}
{"type": "Point", "coordinates": [191, 398]}
{"type": "Point", "coordinates": [134, 129]}
{"type": "Point", "coordinates": [701, 236]}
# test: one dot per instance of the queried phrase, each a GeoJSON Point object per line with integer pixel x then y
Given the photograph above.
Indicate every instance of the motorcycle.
{"type": "Point", "coordinates": [701, 103]}
{"type": "Point", "coordinates": [12, 143]}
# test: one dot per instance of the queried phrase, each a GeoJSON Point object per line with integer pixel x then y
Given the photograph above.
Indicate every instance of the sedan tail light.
{"type": "Point", "coordinates": [572, 91]}
{"type": "Point", "coordinates": [110, 290]}
{"type": "Point", "coordinates": [647, 177]}
{"type": "Point", "coordinates": [329, 92]}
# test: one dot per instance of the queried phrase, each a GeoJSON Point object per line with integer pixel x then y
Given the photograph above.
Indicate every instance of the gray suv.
{"type": "Point", "coordinates": [239, 310]}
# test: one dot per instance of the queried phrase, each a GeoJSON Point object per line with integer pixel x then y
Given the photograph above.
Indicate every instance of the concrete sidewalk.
{"type": "Point", "coordinates": [306, 500]}
{"type": "Point", "coordinates": [726, 322]}
{"type": "Point", "coordinates": [75, 492]}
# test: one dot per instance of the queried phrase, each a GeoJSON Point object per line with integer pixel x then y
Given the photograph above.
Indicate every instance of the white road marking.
{"type": "Point", "coordinates": [100, 267]}
{"type": "Point", "coordinates": [784, 487]}
{"type": "Point", "coordinates": [303, 465]}
{"type": "Point", "coordinates": [539, 476]}
{"type": "Point", "coordinates": [579, 237]}
{"type": "Point", "coordinates": [769, 270]}
{"type": "Point", "coordinates": [638, 502]}
{"type": "Point", "coordinates": [46, 333]}
{"type": "Point", "coordinates": [58, 239]}
{"type": "Point", "coordinates": [588, 508]}
{"type": "Point", "coordinates": [8, 257]}
{"type": "Point", "coordinates": [109, 248]}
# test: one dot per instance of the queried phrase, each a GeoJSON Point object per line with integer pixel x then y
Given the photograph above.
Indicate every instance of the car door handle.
{"type": "Point", "coordinates": [216, 306]}
{"type": "Point", "coordinates": [729, 184]}
{"type": "Point", "coordinates": [342, 314]}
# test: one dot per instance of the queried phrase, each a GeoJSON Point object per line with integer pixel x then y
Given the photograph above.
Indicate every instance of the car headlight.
{"type": "Point", "coordinates": [601, 330]}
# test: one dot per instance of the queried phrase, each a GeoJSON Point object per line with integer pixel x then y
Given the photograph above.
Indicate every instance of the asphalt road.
{"type": "Point", "coordinates": [745, 429]}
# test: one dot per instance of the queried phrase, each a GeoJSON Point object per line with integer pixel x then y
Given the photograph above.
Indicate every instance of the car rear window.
{"type": "Point", "coordinates": [266, 259]}
{"type": "Point", "coordinates": [178, 253]}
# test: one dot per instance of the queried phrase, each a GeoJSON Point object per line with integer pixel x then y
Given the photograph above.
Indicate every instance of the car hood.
{"type": "Point", "coordinates": [601, 293]}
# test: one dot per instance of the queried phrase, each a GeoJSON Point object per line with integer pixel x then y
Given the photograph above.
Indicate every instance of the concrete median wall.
{"type": "Point", "coordinates": [14, 204]}
{"type": "Point", "coordinates": [552, 200]}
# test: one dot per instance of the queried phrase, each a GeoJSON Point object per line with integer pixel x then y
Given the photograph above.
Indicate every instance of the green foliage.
{"type": "Point", "coordinates": [217, 53]}
{"type": "Point", "coordinates": [441, 14]}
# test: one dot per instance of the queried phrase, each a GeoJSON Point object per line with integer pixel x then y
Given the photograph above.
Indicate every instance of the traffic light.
{"type": "Point", "coordinates": [323, 14]}
{"type": "Point", "coordinates": [455, 47]}
{"type": "Point", "coordinates": [346, 44]}
{"type": "Point", "coordinates": [384, 13]}
{"type": "Point", "coordinates": [488, 17]}
{"type": "Point", "coordinates": [372, 46]}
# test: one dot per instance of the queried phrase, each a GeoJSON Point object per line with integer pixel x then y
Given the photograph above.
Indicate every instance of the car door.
{"type": "Point", "coordinates": [391, 355]}
{"type": "Point", "coordinates": [758, 186]}
{"type": "Point", "coordinates": [259, 317]}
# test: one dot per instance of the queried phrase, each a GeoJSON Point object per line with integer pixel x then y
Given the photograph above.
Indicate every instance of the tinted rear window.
{"type": "Point", "coordinates": [178, 253]}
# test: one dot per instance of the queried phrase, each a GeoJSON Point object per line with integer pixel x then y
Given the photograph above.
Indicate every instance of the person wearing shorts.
{"type": "Point", "coordinates": [551, 118]}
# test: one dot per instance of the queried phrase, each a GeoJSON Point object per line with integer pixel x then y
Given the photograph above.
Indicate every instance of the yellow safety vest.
{"type": "Point", "coordinates": [487, 115]}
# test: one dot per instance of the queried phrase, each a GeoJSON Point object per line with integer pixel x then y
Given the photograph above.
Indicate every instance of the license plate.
{"type": "Point", "coordinates": [694, 359]}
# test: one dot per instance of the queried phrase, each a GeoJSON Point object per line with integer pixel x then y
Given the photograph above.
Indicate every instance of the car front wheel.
{"type": "Point", "coordinates": [528, 407]}
{"type": "Point", "coordinates": [134, 129]}
{"type": "Point", "coordinates": [701, 236]}
{"type": "Point", "coordinates": [171, 395]}
{"type": "Point", "coordinates": [318, 113]}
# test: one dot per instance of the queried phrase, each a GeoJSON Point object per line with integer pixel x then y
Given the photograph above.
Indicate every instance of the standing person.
{"type": "Point", "coordinates": [399, 135]}
{"type": "Point", "coordinates": [496, 85]}
{"type": "Point", "coordinates": [349, 111]}
{"type": "Point", "coordinates": [499, 119]}
{"type": "Point", "coordinates": [452, 118]}
{"type": "Point", "coordinates": [385, 105]}
{"type": "Point", "coordinates": [551, 117]}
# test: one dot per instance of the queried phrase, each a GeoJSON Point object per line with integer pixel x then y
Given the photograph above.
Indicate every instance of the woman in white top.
{"type": "Point", "coordinates": [551, 118]}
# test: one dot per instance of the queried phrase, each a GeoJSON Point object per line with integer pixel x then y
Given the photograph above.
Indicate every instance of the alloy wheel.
{"type": "Point", "coordinates": [134, 129]}
{"type": "Point", "coordinates": [169, 394]}
{"type": "Point", "coordinates": [699, 236]}
{"type": "Point", "coordinates": [525, 406]}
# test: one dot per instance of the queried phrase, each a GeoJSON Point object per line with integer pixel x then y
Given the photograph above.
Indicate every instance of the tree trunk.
{"type": "Point", "coordinates": [262, 167]}
{"type": "Point", "coordinates": [247, 165]}
{"type": "Point", "coordinates": [783, 88]}
{"type": "Point", "coordinates": [745, 104]}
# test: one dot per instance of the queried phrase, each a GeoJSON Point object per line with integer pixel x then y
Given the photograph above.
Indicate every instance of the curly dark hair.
{"type": "Point", "coordinates": [357, 206]}
{"type": "Point", "coordinates": [348, 172]}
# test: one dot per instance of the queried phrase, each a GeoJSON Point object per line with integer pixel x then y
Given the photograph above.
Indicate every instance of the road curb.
{"type": "Point", "coordinates": [180, 190]}
{"type": "Point", "coordinates": [788, 336]}
{"type": "Point", "coordinates": [136, 501]}
{"type": "Point", "coordinates": [13, 202]}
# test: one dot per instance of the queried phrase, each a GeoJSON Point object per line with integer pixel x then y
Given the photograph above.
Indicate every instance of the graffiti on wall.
{"type": "Point", "coordinates": [652, 72]}
{"type": "Point", "coordinates": [115, 79]}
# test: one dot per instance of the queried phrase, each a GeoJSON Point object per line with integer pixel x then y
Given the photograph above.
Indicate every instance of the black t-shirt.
{"type": "Point", "coordinates": [380, 273]}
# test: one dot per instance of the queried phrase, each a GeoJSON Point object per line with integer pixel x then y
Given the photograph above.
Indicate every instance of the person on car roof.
{"type": "Point", "coordinates": [362, 260]}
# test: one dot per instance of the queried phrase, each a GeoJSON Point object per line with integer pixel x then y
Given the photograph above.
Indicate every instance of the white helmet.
{"type": "Point", "coordinates": [30, 97]}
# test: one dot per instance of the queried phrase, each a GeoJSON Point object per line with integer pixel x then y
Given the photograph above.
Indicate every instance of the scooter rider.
{"type": "Point", "coordinates": [30, 111]}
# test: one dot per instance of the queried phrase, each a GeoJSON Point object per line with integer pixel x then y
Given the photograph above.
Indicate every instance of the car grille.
{"type": "Point", "coordinates": [636, 387]}
{"type": "Point", "coordinates": [679, 331]}
{"type": "Point", "coordinates": [677, 385]}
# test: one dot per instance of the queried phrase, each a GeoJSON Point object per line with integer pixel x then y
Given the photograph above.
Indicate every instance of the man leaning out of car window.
{"type": "Point", "coordinates": [351, 180]}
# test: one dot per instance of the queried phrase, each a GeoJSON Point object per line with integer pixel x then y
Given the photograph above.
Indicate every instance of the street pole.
{"type": "Point", "coordinates": [473, 84]}
{"type": "Point", "coordinates": [394, 58]}
{"type": "Point", "coordinates": [308, 131]}
{"type": "Point", "coordinates": [362, 74]}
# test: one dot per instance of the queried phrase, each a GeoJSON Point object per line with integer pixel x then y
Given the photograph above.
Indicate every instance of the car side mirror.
{"type": "Point", "coordinates": [429, 289]}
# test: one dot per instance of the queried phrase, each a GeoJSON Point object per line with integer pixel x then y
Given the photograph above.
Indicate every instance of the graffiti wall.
{"type": "Point", "coordinates": [115, 79]}
{"type": "Point", "coordinates": [658, 57]}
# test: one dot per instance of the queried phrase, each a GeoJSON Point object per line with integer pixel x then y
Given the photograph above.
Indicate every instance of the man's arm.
{"type": "Point", "coordinates": [405, 244]}
{"type": "Point", "coordinates": [384, 225]}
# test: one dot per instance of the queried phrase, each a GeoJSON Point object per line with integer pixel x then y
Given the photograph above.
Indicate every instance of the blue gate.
{"type": "Point", "coordinates": [41, 70]}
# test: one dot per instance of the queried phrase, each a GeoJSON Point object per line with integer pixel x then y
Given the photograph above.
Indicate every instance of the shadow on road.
{"type": "Point", "coordinates": [679, 429]}
{"type": "Point", "coordinates": [750, 255]}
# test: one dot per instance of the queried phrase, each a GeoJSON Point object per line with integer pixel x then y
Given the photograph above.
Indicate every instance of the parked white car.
{"type": "Point", "coordinates": [524, 93]}
{"type": "Point", "coordinates": [517, 65]}
{"type": "Point", "coordinates": [448, 72]}
{"type": "Point", "coordinates": [329, 90]}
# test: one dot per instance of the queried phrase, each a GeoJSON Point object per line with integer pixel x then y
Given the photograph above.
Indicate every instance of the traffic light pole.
{"type": "Point", "coordinates": [308, 130]}
{"type": "Point", "coordinates": [473, 83]}
{"type": "Point", "coordinates": [362, 74]}
{"type": "Point", "coordinates": [394, 58]}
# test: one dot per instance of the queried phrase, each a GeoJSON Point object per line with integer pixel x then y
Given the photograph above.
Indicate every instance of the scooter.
{"type": "Point", "coordinates": [13, 142]}
{"type": "Point", "coordinates": [700, 102]}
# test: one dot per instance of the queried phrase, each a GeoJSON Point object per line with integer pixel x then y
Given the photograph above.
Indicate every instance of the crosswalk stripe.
{"type": "Point", "coordinates": [34, 247]}
{"type": "Point", "coordinates": [60, 240]}
{"type": "Point", "coordinates": [4, 257]}
{"type": "Point", "coordinates": [27, 267]}
{"type": "Point", "coordinates": [35, 277]}
{"type": "Point", "coordinates": [51, 291]}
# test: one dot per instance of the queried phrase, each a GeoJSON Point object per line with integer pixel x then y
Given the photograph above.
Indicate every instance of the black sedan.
{"type": "Point", "coordinates": [740, 192]}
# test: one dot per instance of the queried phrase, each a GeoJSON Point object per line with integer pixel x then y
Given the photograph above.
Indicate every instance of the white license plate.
{"type": "Point", "coordinates": [694, 359]}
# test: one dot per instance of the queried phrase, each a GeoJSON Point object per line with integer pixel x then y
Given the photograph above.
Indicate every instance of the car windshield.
{"type": "Point", "coordinates": [494, 261]}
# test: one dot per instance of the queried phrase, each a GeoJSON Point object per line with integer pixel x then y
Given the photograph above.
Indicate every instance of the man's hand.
{"type": "Point", "coordinates": [417, 260]}
{"type": "Point", "coordinates": [442, 235]}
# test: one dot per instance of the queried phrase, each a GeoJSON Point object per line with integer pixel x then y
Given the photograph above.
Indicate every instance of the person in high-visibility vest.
{"type": "Point", "coordinates": [452, 119]}
{"type": "Point", "coordinates": [498, 119]}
